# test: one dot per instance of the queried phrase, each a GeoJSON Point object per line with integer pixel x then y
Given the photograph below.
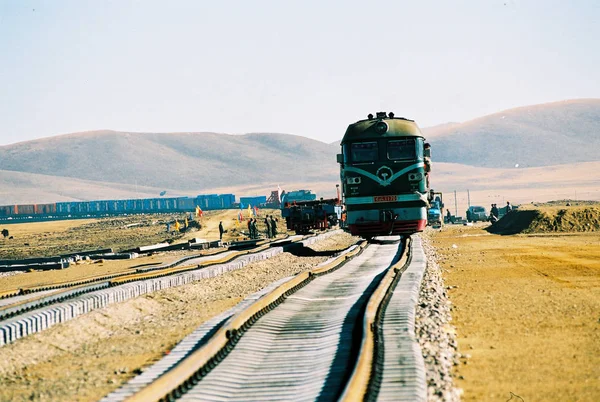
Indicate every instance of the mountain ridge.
{"type": "Point", "coordinates": [555, 133]}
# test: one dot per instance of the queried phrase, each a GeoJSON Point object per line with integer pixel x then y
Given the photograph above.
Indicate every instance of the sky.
{"type": "Point", "coordinates": [306, 67]}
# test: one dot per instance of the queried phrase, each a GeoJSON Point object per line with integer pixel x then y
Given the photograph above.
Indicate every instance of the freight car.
{"type": "Point", "coordinates": [118, 207]}
{"type": "Point", "coordinates": [384, 167]}
{"type": "Point", "coordinates": [30, 209]}
{"type": "Point", "coordinates": [304, 216]}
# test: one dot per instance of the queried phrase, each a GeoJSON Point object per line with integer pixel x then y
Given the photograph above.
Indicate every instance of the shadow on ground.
{"type": "Point", "coordinates": [300, 250]}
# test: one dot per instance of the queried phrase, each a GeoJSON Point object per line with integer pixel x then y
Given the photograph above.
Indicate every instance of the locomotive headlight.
{"type": "Point", "coordinates": [381, 127]}
{"type": "Point", "coordinates": [415, 176]}
{"type": "Point", "coordinates": [353, 180]}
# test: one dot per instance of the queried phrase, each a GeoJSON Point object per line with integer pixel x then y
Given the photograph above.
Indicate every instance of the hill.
{"type": "Point", "coordinates": [553, 144]}
{"type": "Point", "coordinates": [540, 135]}
{"type": "Point", "coordinates": [25, 188]}
{"type": "Point", "coordinates": [185, 161]}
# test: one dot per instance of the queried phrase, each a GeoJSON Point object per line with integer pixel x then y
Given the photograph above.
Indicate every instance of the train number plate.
{"type": "Point", "coordinates": [385, 198]}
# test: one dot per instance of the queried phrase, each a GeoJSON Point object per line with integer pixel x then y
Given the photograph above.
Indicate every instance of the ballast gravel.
{"type": "Point", "coordinates": [434, 332]}
{"type": "Point", "coordinates": [86, 358]}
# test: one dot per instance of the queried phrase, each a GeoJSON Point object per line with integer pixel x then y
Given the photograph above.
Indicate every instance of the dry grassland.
{"type": "Point", "coordinates": [526, 308]}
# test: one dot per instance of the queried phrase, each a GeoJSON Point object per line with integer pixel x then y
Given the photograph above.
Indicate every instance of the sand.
{"type": "Point", "coordinates": [526, 311]}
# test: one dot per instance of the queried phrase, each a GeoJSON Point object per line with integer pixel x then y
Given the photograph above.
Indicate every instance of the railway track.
{"type": "Point", "coordinates": [31, 310]}
{"type": "Point", "coordinates": [342, 331]}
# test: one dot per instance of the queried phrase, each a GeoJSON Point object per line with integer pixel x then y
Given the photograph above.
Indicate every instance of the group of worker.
{"type": "Point", "coordinates": [270, 231]}
{"type": "Point", "coordinates": [270, 227]}
{"type": "Point", "coordinates": [495, 212]}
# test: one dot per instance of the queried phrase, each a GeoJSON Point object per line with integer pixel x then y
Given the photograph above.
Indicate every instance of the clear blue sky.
{"type": "Point", "coordinates": [301, 67]}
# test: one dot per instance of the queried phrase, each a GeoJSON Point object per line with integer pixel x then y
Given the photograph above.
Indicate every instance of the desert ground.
{"type": "Point", "coordinates": [57, 237]}
{"type": "Point", "coordinates": [525, 307]}
{"type": "Point", "coordinates": [121, 233]}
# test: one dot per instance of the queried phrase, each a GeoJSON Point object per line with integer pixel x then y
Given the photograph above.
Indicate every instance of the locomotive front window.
{"type": "Point", "coordinates": [401, 149]}
{"type": "Point", "coordinates": [363, 152]}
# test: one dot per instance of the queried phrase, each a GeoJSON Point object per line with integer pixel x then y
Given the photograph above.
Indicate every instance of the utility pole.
{"type": "Point", "coordinates": [455, 205]}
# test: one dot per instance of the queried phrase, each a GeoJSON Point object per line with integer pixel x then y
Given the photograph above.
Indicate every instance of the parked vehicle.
{"type": "Point", "coordinates": [476, 214]}
{"type": "Point", "coordinates": [435, 211]}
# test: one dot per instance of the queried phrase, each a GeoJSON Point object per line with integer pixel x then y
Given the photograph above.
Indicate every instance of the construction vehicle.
{"type": "Point", "coordinates": [435, 212]}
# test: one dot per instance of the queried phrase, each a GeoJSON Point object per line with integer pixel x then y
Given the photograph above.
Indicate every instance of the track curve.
{"type": "Point", "coordinates": [302, 341]}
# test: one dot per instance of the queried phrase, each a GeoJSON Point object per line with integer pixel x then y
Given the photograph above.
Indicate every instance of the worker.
{"type": "Point", "coordinates": [250, 228]}
{"type": "Point", "coordinates": [427, 162]}
{"type": "Point", "coordinates": [221, 230]}
{"type": "Point", "coordinates": [268, 227]}
{"type": "Point", "coordinates": [253, 229]}
{"type": "Point", "coordinates": [273, 227]}
{"type": "Point", "coordinates": [494, 211]}
{"type": "Point", "coordinates": [508, 207]}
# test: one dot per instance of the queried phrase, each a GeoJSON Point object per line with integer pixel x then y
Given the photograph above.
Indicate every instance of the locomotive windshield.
{"type": "Point", "coordinates": [364, 152]}
{"type": "Point", "coordinates": [401, 149]}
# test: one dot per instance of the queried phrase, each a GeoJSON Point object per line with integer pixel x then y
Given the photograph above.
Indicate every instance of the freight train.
{"type": "Point", "coordinates": [384, 167]}
{"type": "Point", "coordinates": [118, 207]}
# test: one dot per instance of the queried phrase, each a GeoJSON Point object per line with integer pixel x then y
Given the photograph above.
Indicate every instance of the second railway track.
{"type": "Point", "coordinates": [323, 335]}
{"type": "Point", "coordinates": [21, 316]}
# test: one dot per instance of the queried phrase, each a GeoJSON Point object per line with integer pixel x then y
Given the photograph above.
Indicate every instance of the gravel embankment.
{"type": "Point", "coordinates": [86, 358]}
{"type": "Point", "coordinates": [434, 332]}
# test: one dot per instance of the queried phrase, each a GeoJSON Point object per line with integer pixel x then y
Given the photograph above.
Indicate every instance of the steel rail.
{"type": "Point", "coordinates": [357, 387]}
{"type": "Point", "coordinates": [199, 363]}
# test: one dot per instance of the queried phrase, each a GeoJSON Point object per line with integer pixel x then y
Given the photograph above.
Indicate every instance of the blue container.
{"type": "Point", "coordinates": [255, 201]}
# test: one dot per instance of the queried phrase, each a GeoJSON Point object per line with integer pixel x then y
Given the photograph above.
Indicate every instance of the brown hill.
{"type": "Point", "coordinates": [540, 135]}
{"type": "Point", "coordinates": [186, 161]}
{"type": "Point", "coordinates": [109, 164]}
{"type": "Point", "coordinates": [26, 188]}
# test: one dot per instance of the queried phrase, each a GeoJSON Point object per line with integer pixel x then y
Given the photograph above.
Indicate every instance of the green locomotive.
{"type": "Point", "coordinates": [384, 171]}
